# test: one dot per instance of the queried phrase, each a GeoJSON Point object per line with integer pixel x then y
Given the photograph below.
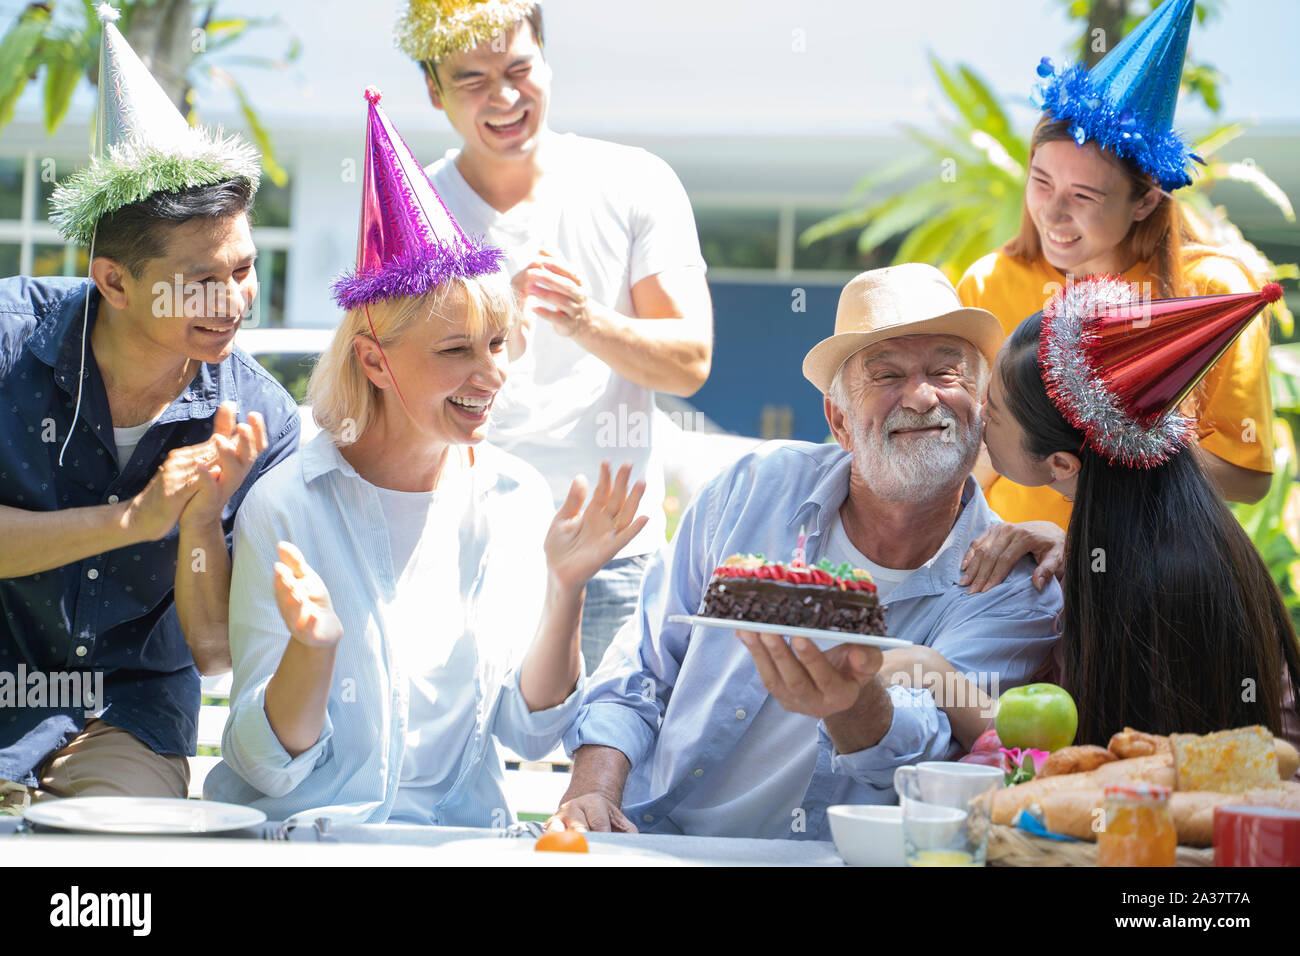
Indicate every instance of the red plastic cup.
{"type": "Point", "coordinates": [1256, 836]}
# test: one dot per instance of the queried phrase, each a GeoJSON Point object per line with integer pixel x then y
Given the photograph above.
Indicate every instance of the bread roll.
{"type": "Point", "coordinates": [1075, 812]}
{"type": "Point", "coordinates": [1157, 769]}
{"type": "Point", "coordinates": [1075, 760]}
{"type": "Point", "coordinates": [1134, 743]}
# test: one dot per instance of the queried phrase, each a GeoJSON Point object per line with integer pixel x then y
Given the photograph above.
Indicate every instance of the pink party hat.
{"type": "Point", "coordinates": [409, 241]}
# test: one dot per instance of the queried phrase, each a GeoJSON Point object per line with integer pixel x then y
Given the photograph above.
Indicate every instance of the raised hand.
{"type": "Point", "coordinates": [227, 457]}
{"type": "Point", "coordinates": [304, 601]}
{"type": "Point", "coordinates": [581, 542]}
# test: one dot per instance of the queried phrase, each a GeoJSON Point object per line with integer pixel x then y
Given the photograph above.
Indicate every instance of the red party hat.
{"type": "Point", "coordinates": [1117, 365]}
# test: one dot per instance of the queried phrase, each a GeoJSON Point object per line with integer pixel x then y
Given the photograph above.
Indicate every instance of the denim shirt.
{"type": "Point", "coordinates": [676, 698]}
{"type": "Point", "coordinates": [113, 613]}
{"type": "Point", "coordinates": [319, 502]}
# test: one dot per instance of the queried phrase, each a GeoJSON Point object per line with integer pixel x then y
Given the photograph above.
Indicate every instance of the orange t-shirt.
{"type": "Point", "coordinates": [1236, 414]}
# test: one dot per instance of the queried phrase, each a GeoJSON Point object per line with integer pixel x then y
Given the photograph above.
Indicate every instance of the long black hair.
{"type": "Point", "coordinates": [1172, 623]}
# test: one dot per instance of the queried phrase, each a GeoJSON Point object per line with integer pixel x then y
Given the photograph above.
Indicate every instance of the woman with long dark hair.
{"type": "Point", "coordinates": [1171, 620]}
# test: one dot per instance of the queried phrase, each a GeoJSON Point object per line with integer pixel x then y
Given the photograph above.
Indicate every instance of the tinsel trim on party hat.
{"type": "Point", "coordinates": [431, 29]}
{"type": "Point", "coordinates": [133, 171]}
{"type": "Point", "coordinates": [1071, 96]}
{"type": "Point", "coordinates": [1074, 384]}
{"type": "Point", "coordinates": [413, 274]}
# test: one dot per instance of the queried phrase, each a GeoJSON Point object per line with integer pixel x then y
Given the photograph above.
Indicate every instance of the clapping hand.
{"type": "Point", "coordinates": [224, 461]}
{"type": "Point", "coordinates": [304, 601]}
{"type": "Point", "coordinates": [557, 291]}
{"type": "Point", "coordinates": [193, 483]}
{"type": "Point", "coordinates": [581, 542]}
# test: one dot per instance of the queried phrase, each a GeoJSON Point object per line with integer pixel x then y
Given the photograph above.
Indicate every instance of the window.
{"type": "Point", "coordinates": [732, 238]}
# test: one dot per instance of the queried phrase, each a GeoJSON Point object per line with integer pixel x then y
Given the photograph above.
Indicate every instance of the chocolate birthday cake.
{"type": "Point", "coordinates": [747, 587]}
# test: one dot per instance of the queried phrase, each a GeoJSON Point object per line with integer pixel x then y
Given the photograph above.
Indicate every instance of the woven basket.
{"type": "Point", "coordinates": [1009, 846]}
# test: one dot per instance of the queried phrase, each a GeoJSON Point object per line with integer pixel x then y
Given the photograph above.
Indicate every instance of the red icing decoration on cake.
{"type": "Point", "coordinates": [804, 575]}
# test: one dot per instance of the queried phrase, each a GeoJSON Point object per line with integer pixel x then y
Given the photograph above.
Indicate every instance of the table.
{"type": "Point", "coordinates": [392, 845]}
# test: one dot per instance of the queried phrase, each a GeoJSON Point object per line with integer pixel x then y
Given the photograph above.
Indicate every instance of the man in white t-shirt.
{"type": "Point", "coordinates": [601, 242]}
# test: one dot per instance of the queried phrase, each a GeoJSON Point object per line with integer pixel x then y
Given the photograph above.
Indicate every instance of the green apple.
{"type": "Point", "coordinates": [1038, 716]}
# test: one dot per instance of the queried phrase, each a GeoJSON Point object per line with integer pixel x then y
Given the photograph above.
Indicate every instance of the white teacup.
{"type": "Point", "coordinates": [868, 835]}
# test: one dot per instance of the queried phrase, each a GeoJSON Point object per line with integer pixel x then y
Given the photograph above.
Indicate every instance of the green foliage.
{"type": "Point", "coordinates": [1273, 523]}
{"type": "Point", "coordinates": [39, 42]}
{"type": "Point", "coordinates": [16, 51]}
{"type": "Point", "coordinates": [967, 197]}
{"type": "Point", "coordinates": [261, 135]}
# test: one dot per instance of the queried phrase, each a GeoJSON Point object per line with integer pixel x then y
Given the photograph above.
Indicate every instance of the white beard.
{"type": "Point", "coordinates": [916, 469]}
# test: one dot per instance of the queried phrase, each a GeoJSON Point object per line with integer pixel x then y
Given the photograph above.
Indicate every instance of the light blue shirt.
{"type": "Point", "coordinates": [317, 501]}
{"type": "Point", "coordinates": [676, 699]}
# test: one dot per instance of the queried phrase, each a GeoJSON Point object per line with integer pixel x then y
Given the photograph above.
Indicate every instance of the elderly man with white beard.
{"type": "Point", "coordinates": [704, 731]}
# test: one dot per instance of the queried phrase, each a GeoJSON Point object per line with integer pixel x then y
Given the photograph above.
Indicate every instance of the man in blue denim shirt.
{"type": "Point", "coordinates": [686, 729]}
{"type": "Point", "coordinates": [121, 468]}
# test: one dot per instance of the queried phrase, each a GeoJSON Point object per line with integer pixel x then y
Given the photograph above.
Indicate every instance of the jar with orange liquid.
{"type": "Point", "coordinates": [1139, 830]}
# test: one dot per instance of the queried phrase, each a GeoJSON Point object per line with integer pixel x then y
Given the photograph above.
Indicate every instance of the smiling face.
{"type": "Point", "coordinates": [1082, 206]}
{"type": "Point", "coordinates": [190, 301]}
{"type": "Point", "coordinates": [446, 373]}
{"type": "Point", "coordinates": [496, 99]}
{"type": "Point", "coordinates": [912, 417]}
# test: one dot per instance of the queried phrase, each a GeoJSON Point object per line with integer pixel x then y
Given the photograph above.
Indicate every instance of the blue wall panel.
{"type": "Point", "coordinates": [758, 349]}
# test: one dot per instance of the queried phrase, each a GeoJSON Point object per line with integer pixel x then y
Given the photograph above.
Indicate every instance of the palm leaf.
{"type": "Point", "coordinates": [263, 138]}
{"type": "Point", "coordinates": [884, 175]}
{"type": "Point", "coordinates": [843, 221]}
{"type": "Point", "coordinates": [928, 241]}
{"type": "Point", "coordinates": [906, 211]}
{"type": "Point", "coordinates": [15, 53]}
{"type": "Point", "coordinates": [959, 94]}
{"type": "Point", "coordinates": [1217, 139]}
{"type": "Point", "coordinates": [1251, 175]}
{"type": "Point", "coordinates": [996, 123]}
{"type": "Point", "coordinates": [62, 73]}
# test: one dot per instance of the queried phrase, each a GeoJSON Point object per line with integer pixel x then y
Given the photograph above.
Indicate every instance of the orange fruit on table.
{"type": "Point", "coordinates": [562, 841]}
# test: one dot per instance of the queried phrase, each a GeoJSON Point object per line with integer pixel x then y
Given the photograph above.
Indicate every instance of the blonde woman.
{"type": "Point", "coordinates": [424, 602]}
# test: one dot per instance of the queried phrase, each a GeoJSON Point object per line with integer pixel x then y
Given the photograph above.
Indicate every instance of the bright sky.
{"type": "Point", "coordinates": [733, 67]}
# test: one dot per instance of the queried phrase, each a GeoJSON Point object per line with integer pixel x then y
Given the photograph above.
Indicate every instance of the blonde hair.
{"type": "Point", "coordinates": [343, 400]}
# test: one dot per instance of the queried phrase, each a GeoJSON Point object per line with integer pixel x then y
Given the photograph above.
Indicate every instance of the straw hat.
{"type": "Point", "coordinates": [908, 299]}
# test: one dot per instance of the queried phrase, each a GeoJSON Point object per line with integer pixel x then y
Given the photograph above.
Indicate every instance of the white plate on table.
{"type": "Point", "coordinates": [159, 815]}
{"type": "Point", "coordinates": [814, 633]}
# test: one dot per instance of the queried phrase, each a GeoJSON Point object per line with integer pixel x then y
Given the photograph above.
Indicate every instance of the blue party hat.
{"type": "Point", "coordinates": [1126, 102]}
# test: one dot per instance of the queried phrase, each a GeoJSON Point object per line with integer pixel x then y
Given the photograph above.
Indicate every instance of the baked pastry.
{"type": "Point", "coordinates": [747, 587]}
{"type": "Point", "coordinates": [1229, 761]}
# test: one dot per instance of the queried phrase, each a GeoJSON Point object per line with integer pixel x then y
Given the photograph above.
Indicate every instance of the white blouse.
{"type": "Point", "coordinates": [484, 605]}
